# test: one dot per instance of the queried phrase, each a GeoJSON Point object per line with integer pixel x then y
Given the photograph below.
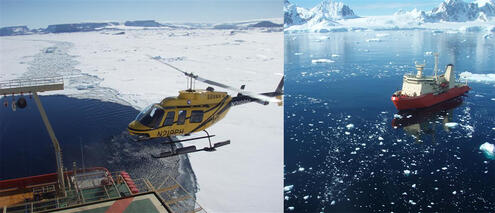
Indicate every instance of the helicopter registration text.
{"type": "Point", "coordinates": [165, 133]}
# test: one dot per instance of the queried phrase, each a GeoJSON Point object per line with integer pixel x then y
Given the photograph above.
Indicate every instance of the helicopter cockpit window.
{"type": "Point", "coordinates": [182, 117]}
{"type": "Point", "coordinates": [151, 116]}
{"type": "Point", "coordinates": [169, 120]}
{"type": "Point", "coordinates": [196, 116]}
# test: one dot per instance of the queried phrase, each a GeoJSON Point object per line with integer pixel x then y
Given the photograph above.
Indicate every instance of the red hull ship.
{"type": "Point", "coordinates": [420, 91]}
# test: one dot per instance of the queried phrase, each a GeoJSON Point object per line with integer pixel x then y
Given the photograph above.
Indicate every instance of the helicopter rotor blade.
{"type": "Point", "coordinates": [214, 83]}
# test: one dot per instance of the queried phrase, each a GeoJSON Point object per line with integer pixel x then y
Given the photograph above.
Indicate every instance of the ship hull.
{"type": "Point", "coordinates": [427, 100]}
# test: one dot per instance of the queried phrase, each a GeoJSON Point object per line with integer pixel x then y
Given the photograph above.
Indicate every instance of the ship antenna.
{"type": "Point", "coordinates": [436, 66]}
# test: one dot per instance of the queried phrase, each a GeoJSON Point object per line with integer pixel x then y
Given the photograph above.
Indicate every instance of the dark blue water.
{"type": "Point", "coordinates": [79, 124]}
{"type": "Point", "coordinates": [91, 133]}
{"type": "Point", "coordinates": [342, 153]}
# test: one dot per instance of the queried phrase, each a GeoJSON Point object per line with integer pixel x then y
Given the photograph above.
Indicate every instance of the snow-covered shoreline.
{"type": "Point", "coordinates": [384, 23]}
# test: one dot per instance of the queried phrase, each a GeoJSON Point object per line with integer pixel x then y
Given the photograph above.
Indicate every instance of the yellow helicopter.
{"type": "Point", "coordinates": [192, 111]}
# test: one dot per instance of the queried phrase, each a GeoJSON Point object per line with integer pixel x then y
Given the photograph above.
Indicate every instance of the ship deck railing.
{"type": "Point", "coordinates": [17, 86]}
{"type": "Point", "coordinates": [81, 191]}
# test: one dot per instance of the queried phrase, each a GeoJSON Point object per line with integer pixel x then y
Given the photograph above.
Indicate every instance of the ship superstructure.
{"type": "Point", "coordinates": [421, 91]}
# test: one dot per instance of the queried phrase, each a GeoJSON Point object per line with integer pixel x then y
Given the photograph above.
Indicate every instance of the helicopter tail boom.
{"type": "Point", "coordinates": [244, 99]}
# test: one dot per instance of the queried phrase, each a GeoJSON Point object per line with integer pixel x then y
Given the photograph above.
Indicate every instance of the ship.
{"type": "Point", "coordinates": [421, 91]}
{"type": "Point", "coordinates": [87, 190]}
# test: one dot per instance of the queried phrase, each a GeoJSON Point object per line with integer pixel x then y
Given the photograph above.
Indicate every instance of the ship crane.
{"type": "Point", "coordinates": [34, 86]}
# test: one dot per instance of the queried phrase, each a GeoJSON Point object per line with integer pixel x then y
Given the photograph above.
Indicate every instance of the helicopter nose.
{"type": "Point", "coordinates": [135, 125]}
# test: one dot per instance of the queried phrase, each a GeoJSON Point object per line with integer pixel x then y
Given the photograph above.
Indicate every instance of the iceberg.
{"type": "Point", "coordinates": [488, 149]}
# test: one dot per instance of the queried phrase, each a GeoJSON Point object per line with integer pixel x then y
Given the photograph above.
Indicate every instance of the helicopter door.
{"type": "Point", "coordinates": [182, 117]}
{"type": "Point", "coordinates": [169, 119]}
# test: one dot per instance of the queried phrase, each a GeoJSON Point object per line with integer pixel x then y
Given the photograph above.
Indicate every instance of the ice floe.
{"type": "Point", "coordinates": [323, 60]}
{"type": "Point", "coordinates": [478, 77]}
{"type": "Point", "coordinates": [488, 149]}
{"type": "Point", "coordinates": [451, 124]}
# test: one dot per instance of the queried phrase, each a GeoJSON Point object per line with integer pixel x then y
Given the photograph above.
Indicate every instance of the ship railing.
{"type": "Point", "coordinates": [44, 205]}
{"type": "Point", "coordinates": [172, 194]}
{"type": "Point", "coordinates": [30, 83]}
{"type": "Point", "coordinates": [73, 197]}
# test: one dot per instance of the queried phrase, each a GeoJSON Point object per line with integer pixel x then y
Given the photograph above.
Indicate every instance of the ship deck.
{"type": "Point", "coordinates": [94, 190]}
{"type": "Point", "coordinates": [147, 202]}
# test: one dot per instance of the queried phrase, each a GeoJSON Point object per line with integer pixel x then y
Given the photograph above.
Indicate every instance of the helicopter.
{"type": "Point", "coordinates": [193, 110]}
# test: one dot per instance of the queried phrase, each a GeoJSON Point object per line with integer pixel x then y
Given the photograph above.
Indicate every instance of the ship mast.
{"type": "Point", "coordinates": [33, 86]}
{"type": "Point", "coordinates": [436, 67]}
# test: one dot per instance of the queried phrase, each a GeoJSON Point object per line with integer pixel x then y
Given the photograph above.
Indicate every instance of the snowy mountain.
{"type": "Point", "coordinates": [15, 30]}
{"type": "Point", "coordinates": [294, 15]}
{"type": "Point", "coordinates": [460, 11]}
{"type": "Point", "coordinates": [326, 13]}
{"type": "Point", "coordinates": [79, 27]}
{"type": "Point", "coordinates": [143, 23]}
{"type": "Point", "coordinates": [329, 10]}
{"type": "Point", "coordinates": [450, 14]}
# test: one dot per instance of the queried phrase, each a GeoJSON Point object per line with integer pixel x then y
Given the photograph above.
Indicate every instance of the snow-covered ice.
{"type": "Point", "coordinates": [451, 124]}
{"type": "Point", "coordinates": [488, 149]}
{"type": "Point", "coordinates": [478, 77]}
{"type": "Point", "coordinates": [323, 60]}
{"type": "Point", "coordinates": [230, 179]}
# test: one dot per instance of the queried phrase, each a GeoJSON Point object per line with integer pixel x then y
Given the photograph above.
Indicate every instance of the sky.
{"type": "Point", "coordinates": [41, 13]}
{"type": "Point", "coordinates": [378, 7]}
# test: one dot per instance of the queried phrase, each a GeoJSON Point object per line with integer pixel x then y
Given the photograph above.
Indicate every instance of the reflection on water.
{"type": "Point", "coordinates": [423, 121]}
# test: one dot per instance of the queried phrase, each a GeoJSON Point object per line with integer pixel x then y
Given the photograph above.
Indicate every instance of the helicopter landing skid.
{"type": "Point", "coordinates": [171, 141]}
{"type": "Point", "coordinates": [190, 149]}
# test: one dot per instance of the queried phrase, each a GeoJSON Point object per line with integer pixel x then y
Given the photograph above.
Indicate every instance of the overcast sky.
{"type": "Point", "coordinates": [40, 13]}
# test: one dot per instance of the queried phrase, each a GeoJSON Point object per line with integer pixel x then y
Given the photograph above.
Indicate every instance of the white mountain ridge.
{"type": "Point", "coordinates": [336, 16]}
{"type": "Point", "coordinates": [326, 13]}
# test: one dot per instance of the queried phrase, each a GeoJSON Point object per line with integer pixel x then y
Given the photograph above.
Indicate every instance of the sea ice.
{"type": "Point", "coordinates": [323, 60]}
{"type": "Point", "coordinates": [301, 169]}
{"type": "Point", "coordinates": [349, 126]}
{"type": "Point", "coordinates": [288, 188]}
{"type": "Point", "coordinates": [373, 40]}
{"type": "Point", "coordinates": [478, 77]}
{"type": "Point", "coordinates": [451, 124]}
{"type": "Point", "coordinates": [488, 150]}
{"type": "Point", "coordinates": [407, 172]}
